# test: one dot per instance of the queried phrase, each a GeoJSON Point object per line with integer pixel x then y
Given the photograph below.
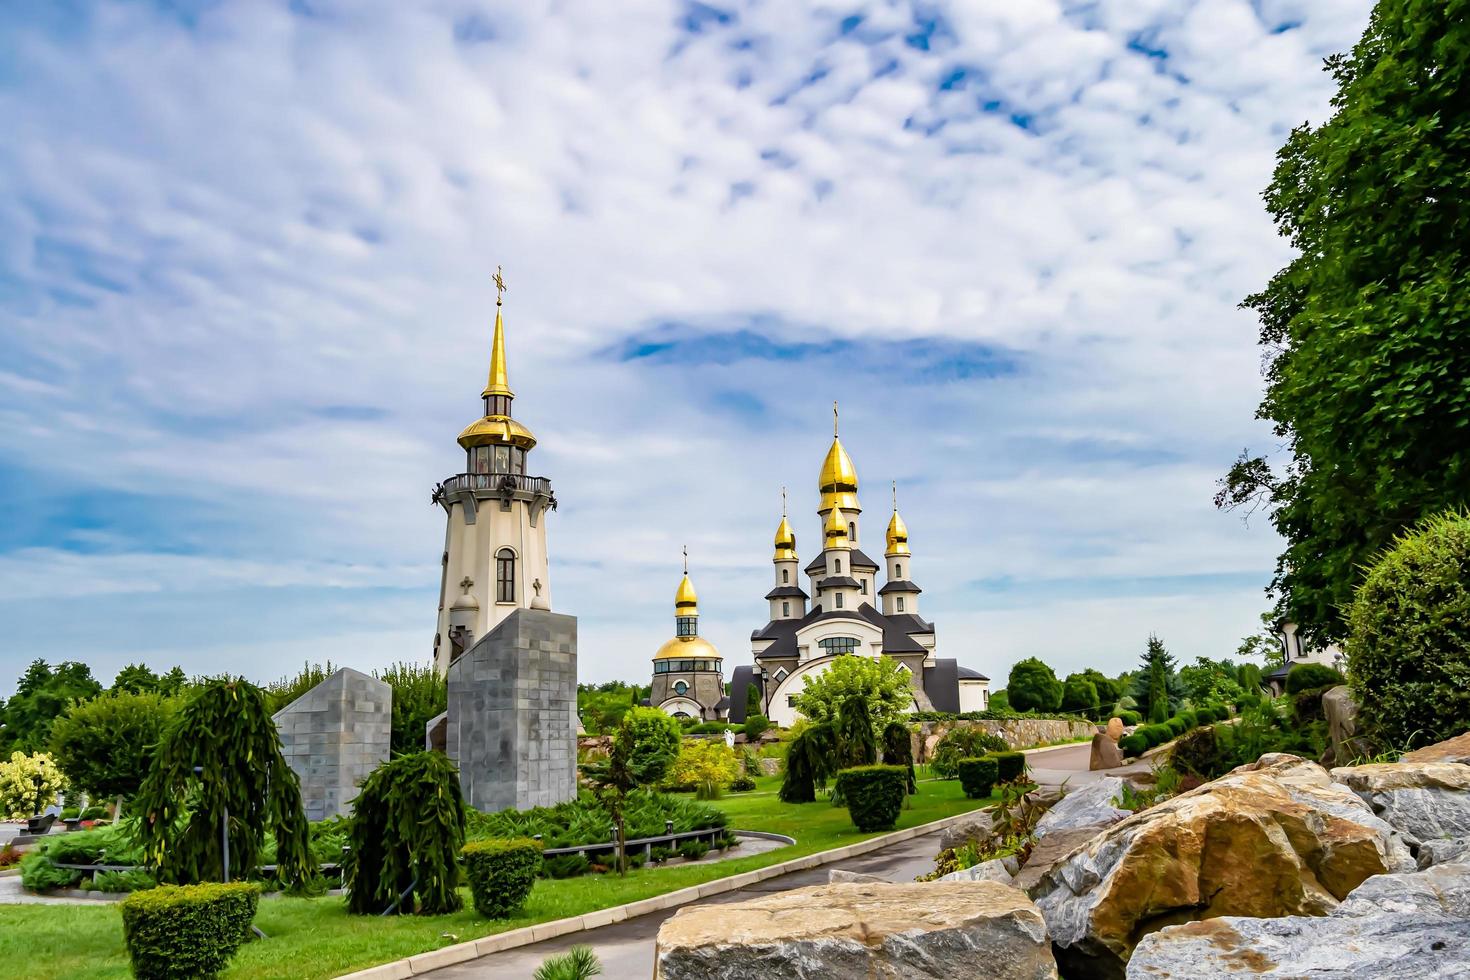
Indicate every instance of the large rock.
{"type": "Point", "coordinates": [1090, 805]}
{"type": "Point", "coordinates": [1455, 749]}
{"type": "Point", "coordinates": [1105, 752]}
{"type": "Point", "coordinates": [1341, 712]}
{"type": "Point", "coordinates": [1394, 927]}
{"type": "Point", "coordinates": [1422, 800]}
{"type": "Point", "coordinates": [1051, 851]}
{"type": "Point", "coordinates": [1277, 837]}
{"type": "Point", "coordinates": [876, 932]}
{"type": "Point", "coordinates": [837, 876]}
{"type": "Point", "coordinates": [1452, 849]}
{"type": "Point", "coordinates": [993, 870]}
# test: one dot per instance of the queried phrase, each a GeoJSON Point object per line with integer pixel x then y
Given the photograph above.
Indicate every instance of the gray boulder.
{"type": "Point", "coordinates": [1433, 852]}
{"type": "Point", "coordinates": [1421, 800]}
{"type": "Point", "coordinates": [839, 877]}
{"type": "Point", "coordinates": [1392, 926]}
{"type": "Point", "coordinates": [1090, 805]}
{"type": "Point", "coordinates": [994, 870]}
{"type": "Point", "coordinates": [1341, 712]}
{"type": "Point", "coordinates": [915, 931]}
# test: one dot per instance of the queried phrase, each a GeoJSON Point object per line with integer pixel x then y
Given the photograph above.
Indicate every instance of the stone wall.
{"type": "Point", "coordinates": [333, 736]}
{"type": "Point", "coordinates": [511, 725]}
{"type": "Point", "coordinates": [1019, 733]}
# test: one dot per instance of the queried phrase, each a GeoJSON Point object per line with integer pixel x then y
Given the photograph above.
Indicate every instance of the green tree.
{"type": "Point", "coordinates": [1033, 686]}
{"type": "Point", "coordinates": [135, 679]}
{"type": "Point", "coordinates": [106, 745]}
{"type": "Point", "coordinates": [407, 828]}
{"type": "Point", "coordinates": [1079, 694]}
{"type": "Point", "coordinates": [420, 694]}
{"type": "Point", "coordinates": [1109, 690]}
{"type": "Point", "coordinates": [1265, 643]}
{"type": "Point", "coordinates": [879, 681]}
{"type": "Point", "coordinates": [654, 739]}
{"type": "Point", "coordinates": [1152, 682]}
{"type": "Point", "coordinates": [999, 700]}
{"type": "Point", "coordinates": [281, 693]}
{"type": "Point", "coordinates": [225, 730]}
{"type": "Point", "coordinates": [752, 700]}
{"type": "Point", "coordinates": [1209, 681]}
{"type": "Point", "coordinates": [1364, 331]}
{"type": "Point", "coordinates": [42, 694]}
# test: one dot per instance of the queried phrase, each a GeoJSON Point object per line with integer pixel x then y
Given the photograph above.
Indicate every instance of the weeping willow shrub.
{"type": "Point", "coordinates": [809, 763]}
{"type": "Point", "coordinates": [225, 730]}
{"type": "Point", "coordinates": [898, 750]}
{"type": "Point", "coordinates": [406, 830]}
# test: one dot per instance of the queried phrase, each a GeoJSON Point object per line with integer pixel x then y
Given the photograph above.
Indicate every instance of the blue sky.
{"type": "Point", "coordinates": [245, 252]}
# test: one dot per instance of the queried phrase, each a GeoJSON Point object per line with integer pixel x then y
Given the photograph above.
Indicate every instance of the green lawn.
{"type": "Point", "coordinates": [315, 938]}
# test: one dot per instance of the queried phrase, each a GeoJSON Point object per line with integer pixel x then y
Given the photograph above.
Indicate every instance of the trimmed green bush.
{"type": "Point", "coordinates": [1176, 726]}
{"type": "Point", "coordinates": [1196, 753]}
{"type": "Point", "coordinates": [501, 873]}
{"type": "Point", "coordinates": [183, 932]}
{"type": "Point", "coordinates": [1156, 734]}
{"type": "Point", "coordinates": [1311, 677]}
{"type": "Point", "coordinates": [756, 726]}
{"type": "Point", "coordinates": [1206, 716]}
{"type": "Point", "coordinates": [1130, 717]}
{"type": "Point", "coordinates": [693, 850]}
{"type": "Point", "coordinates": [1190, 719]}
{"type": "Point", "coordinates": [1133, 745]}
{"type": "Point", "coordinates": [963, 743]}
{"type": "Point", "coordinates": [1012, 766]}
{"type": "Point", "coordinates": [874, 795]}
{"type": "Point", "coordinates": [978, 776]}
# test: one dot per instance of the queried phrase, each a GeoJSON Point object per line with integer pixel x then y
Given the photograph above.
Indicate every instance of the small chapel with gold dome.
{"type": "Point", "coordinates": [688, 672]}
{"type": "Point", "coordinates": [850, 613]}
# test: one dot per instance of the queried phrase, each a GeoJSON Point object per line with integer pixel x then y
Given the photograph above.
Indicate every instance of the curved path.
{"type": "Point", "coordinates": [626, 948]}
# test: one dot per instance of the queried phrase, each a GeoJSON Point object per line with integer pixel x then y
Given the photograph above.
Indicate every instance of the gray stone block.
{"type": "Point", "coordinates": [333, 736]}
{"type": "Point", "coordinates": [512, 698]}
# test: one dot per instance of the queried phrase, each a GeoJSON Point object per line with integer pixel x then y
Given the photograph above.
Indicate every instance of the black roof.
{"type": "Point", "coordinates": [898, 631]}
{"type": "Point", "coordinates": [1280, 672]}
{"type": "Point", "coordinates": [786, 592]}
{"type": "Point", "coordinates": [722, 704]}
{"type": "Point", "coordinates": [910, 623]}
{"type": "Point", "coordinates": [857, 559]}
{"type": "Point", "coordinates": [838, 582]}
{"type": "Point", "coordinates": [942, 684]}
{"type": "Point", "coordinates": [895, 638]}
{"type": "Point", "coordinates": [900, 585]}
{"type": "Point", "coordinates": [970, 674]}
{"type": "Point", "coordinates": [739, 681]}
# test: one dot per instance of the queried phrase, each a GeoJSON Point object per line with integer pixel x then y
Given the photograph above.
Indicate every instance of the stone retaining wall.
{"type": "Point", "coordinates": [1019, 733]}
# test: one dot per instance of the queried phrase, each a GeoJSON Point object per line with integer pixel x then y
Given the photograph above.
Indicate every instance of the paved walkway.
{"type": "Point", "coordinates": [1068, 764]}
{"type": "Point", "coordinates": [626, 948]}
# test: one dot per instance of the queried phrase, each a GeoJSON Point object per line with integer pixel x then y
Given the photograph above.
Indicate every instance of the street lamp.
{"type": "Point", "coordinates": [38, 780]}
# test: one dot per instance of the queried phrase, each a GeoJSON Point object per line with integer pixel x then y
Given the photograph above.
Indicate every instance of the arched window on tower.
{"type": "Point", "coordinates": [505, 575]}
{"type": "Point", "coordinates": [897, 570]}
{"type": "Point", "coordinates": [900, 603]}
{"type": "Point", "coordinates": [785, 576]}
{"type": "Point", "coordinates": [851, 531]}
{"type": "Point", "coordinates": [785, 607]}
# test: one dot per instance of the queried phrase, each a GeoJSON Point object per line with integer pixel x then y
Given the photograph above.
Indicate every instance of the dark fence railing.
{"type": "Point", "coordinates": [494, 482]}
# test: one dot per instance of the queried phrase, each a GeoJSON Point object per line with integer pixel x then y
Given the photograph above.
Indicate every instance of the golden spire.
{"type": "Point", "coordinates": [898, 532]}
{"type": "Point", "coordinates": [498, 383]}
{"type": "Point", "coordinates": [686, 602]}
{"type": "Point", "coordinates": [838, 482]}
{"type": "Point", "coordinates": [785, 537]}
{"type": "Point", "coordinates": [835, 530]}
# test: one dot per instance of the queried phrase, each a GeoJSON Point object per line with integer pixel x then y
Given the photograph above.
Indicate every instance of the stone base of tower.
{"type": "Point", "coordinates": [512, 718]}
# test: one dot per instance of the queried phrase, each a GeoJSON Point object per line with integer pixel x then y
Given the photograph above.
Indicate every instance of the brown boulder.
{"type": "Point", "coordinates": [1274, 838]}
{"type": "Point", "coordinates": [1115, 728]}
{"type": "Point", "coordinates": [1105, 752]}
{"type": "Point", "coordinates": [1423, 801]}
{"type": "Point", "coordinates": [1455, 749]}
{"type": "Point", "coordinates": [878, 932]}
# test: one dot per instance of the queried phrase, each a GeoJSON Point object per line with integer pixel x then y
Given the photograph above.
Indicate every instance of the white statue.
{"type": "Point", "coordinates": [729, 739]}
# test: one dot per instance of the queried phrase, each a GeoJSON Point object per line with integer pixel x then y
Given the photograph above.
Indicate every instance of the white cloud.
{"type": "Point", "coordinates": [219, 243]}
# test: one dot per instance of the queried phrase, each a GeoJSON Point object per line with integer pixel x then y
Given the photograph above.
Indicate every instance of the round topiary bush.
{"type": "Point", "coordinates": [502, 873]}
{"type": "Point", "coordinates": [1133, 745]}
{"type": "Point", "coordinates": [1175, 726]}
{"type": "Point", "coordinates": [183, 932]}
{"type": "Point", "coordinates": [874, 795]}
{"type": "Point", "coordinates": [1190, 719]}
{"type": "Point", "coordinates": [1011, 766]}
{"type": "Point", "coordinates": [1311, 677]}
{"type": "Point", "coordinates": [1130, 717]}
{"type": "Point", "coordinates": [978, 776]}
{"type": "Point", "coordinates": [1408, 646]}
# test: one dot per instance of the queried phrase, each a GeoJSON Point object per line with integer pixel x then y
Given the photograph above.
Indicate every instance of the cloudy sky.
{"type": "Point", "coordinates": [245, 302]}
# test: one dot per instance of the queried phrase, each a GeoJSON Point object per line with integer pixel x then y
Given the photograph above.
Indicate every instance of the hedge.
{"type": "Point", "coordinates": [501, 873]}
{"type": "Point", "coordinates": [1133, 745]}
{"type": "Point", "coordinates": [1310, 677]}
{"type": "Point", "coordinates": [1190, 719]}
{"type": "Point", "coordinates": [1206, 716]}
{"type": "Point", "coordinates": [1012, 766]}
{"type": "Point", "coordinates": [978, 776]}
{"type": "Point", "coordinates": [177, 932]}
{"type": "Point", "coordinates": [874, 795]}
{"type": "Point", "coordinates": [1130, 717]}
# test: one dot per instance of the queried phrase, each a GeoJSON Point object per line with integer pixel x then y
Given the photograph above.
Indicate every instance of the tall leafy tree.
{"type": "Point", "coordinates": [420, 694]}
{"type": "Point", "coordinates": [1364, 333]}
{"type": "Point", "coordinates": [1033, 686]}
{"type": "Point", "coordinates": [1152, 682]}
{"type": "Point", "coordinates": [135, 679]}
{"type": "Point", "coordinates": [43, 694]}
{"type": "Point", "coordinates": [878, 681]}
{"type": "Point", "coordinates": [106, 745]}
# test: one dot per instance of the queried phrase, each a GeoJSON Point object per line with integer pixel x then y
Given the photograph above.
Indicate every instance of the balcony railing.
{"type": "Point", "coordinates": [506, 483]}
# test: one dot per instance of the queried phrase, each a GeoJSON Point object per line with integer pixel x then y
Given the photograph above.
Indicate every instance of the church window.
{"type": "Point", "coordinates": [687, 625]}
{"type": "Point", "coordinates": [781, 675]}
{"type": "Point", "coordinates": [480, 460]}
{"type": "Point", "coordinates": [836, 645]}
{"type": "Point", "coordinates": [502, 459]}
{"type": "Point", "coordinates": [791, 700]}
{"type": "Point", "coordinates": [681, 715]}
{"type": "Point", "coordinates": [785, 608]}
{"type": "Point", "coordinates": [852, 532]}
{"type": "Point", "coordinates": [680, 687]}
{"type": "Point", "coordinates": [505, 575]}
{"type": "Point", "coordinates": [785, 576]}
{"type": "Point", "coordinates": [838, 599]}
{"type": "Point", "coordinates": [863, 585]}
{"type": "Point", "coordinates": [900, 603]}
{"type": "Point", "coordinates": [837, 565]}
{"type": "Point", "coordinates": [897, 570]}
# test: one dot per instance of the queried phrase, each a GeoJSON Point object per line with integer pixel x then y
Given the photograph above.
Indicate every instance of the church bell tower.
{"type": "Point", "coordinates": [494, 559]}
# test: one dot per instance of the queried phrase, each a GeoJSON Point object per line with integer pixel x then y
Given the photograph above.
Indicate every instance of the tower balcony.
{"type": "Point", "coordinates": [504, 485]}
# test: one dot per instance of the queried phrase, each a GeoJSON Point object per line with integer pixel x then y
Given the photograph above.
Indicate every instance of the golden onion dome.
{"type": "Point", "coordinates": [785, 541]}
{"type": "Point", "coordinates": [687, 648]}
{"type": "Point", "coordinates": [898, 536]}
{"type": "Point", "coordinates": [498, 382]}
{"type": "Point", "coordinates": [493, 430]}
{"type": "Point", "coordinates": [686, 602]}
{"type": "Point", "coordinates": [835, 530]}
{"type": "Point", "coordinates": [839, 480]}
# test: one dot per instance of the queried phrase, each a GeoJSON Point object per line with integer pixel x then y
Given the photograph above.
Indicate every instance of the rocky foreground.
{"type": "Point", "coordinates": [1280, 868]}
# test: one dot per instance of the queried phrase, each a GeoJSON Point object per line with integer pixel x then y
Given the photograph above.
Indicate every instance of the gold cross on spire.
{"type": "Point", "coordinates": [500, 286]}
{"type": "Point", "coordinates": [834, 420]}
{"type": "Point", "coordinates": [895, 496]}
{"type": "Point", "coordinates": [686, 559]}
{"type": "Point", "coordinates": [783, 501]}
